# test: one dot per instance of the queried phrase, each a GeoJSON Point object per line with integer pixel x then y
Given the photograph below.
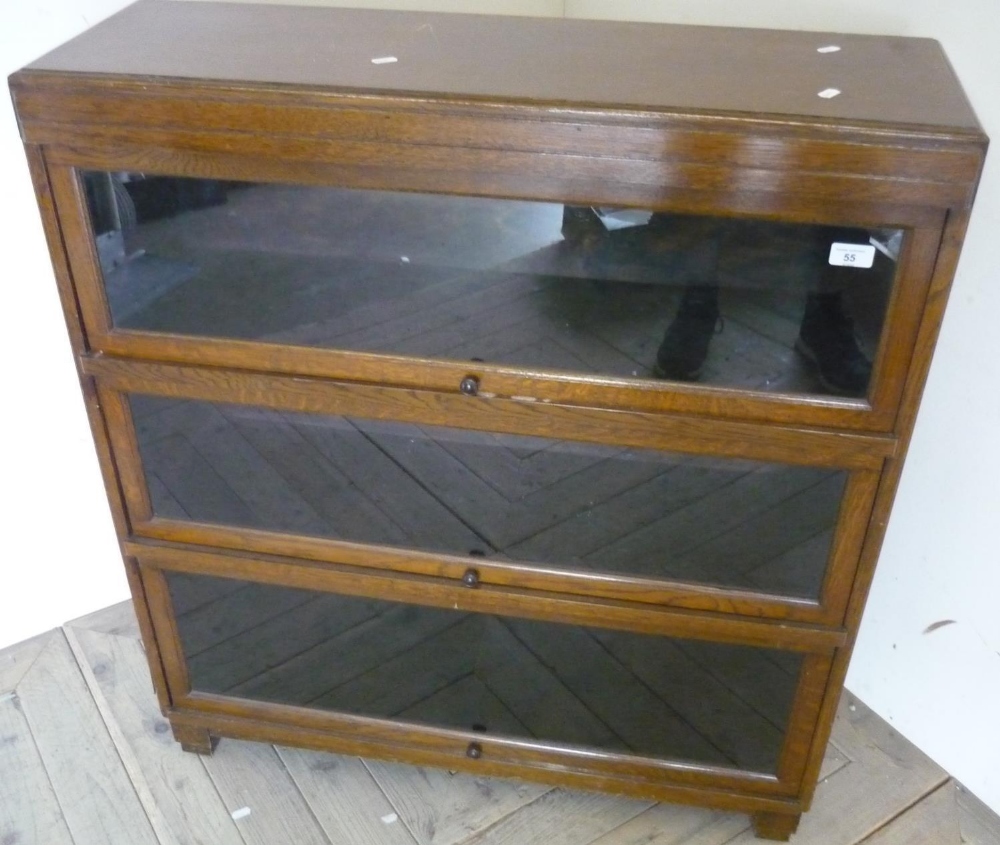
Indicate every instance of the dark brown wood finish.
{"type": "Point", "coordinates": [944, 270]}
{"type": "Point", "coordinates": [777, 826]}
{"type": "Point", "coordinates": [854, 509]}
{"type": "Point", "coordinates": [709, 123]}
{"type": "Point", "coordinates": [154, 562]}
{"type": "Point", "coordinates": [697, 435]}
{"type": "Point", "coordinates": [530, 59]}
{"type": "Point", "coordinates": [714, 196]}
{"type": "Point", "coordinates": [434, 592]}
{"type": "Point", "coordinates": [692, 596]}
{"type": "Point", "coordinates": [261, 723]}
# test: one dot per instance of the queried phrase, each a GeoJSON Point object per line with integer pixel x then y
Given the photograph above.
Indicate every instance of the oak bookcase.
{"type": "Point", "coordinates": [524, 397]}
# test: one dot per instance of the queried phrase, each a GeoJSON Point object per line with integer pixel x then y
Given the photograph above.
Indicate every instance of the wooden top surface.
{"type": "Point", "coordinates": [887, 80]}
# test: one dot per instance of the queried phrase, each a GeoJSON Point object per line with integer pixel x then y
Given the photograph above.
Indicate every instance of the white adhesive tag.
{"type": "Point", "coordinates": [241, 813]}
{"type": "Point", "coordinates": [389, 819]}
{"type": "Point", "coordinates": [384, 60]}
{"type": "Point", "coordinates": [829, 93]}
{"type": "Point", "coordinates": [852, 255]}
{"type": "Point", "coordinates": [830, 48]}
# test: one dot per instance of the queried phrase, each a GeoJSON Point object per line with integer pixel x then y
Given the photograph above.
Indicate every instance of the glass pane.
{"type": "Point", "coordinates": [747, 304]}
{"type": "Point", "coordinates": [614, 690]}
{"type": "Point", "coordinates": [584, 506]}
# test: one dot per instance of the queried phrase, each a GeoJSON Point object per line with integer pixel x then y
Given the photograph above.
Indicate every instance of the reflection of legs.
{"type": "Point", "coordinates": [685, 345]}
{"type": "Point", "coordinates": [826, 336]}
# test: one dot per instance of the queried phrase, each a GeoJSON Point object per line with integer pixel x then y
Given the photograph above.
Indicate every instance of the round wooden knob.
{"type": "Point", "coordinates": [475, 750]}
{"type": "Point", "coordinates": [469, 386]}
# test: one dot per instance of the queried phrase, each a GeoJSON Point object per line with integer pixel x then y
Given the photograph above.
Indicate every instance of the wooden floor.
{"type": "Point", "coordinates": [86, 758]}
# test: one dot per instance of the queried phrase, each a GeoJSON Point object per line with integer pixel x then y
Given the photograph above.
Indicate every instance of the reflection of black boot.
{"type": "Point", "coordinates": [685, 344]}
{"type": "Point", "coordinates": [581, 225]}
{"type": "Point", "coordinates": [826, 338]}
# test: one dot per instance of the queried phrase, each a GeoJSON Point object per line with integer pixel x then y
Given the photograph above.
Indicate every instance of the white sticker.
{"type": "Point", "coordinates": [390, 819]}
{"type": "Point", "coordinates": [241, 813]}
{"type": "Point", "coordinates": [384, 60]}
{"type": "Point", "coordinates": [829, 93]}
{"type": "Point", "coordinates": [852, 255]}
{"type": "Point", "coordinates": [830, 48]}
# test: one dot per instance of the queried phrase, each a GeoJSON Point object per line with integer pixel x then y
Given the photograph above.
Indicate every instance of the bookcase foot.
{"type": "Point", "coordinates": [195, 740]}
{"type": "Point", "coordinates": [776, 826]}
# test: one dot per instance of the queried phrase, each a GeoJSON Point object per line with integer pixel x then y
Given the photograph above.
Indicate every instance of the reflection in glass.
{"type": "Point", "coordinates": [587, 507]}
{"type": "Point", "coordinates": [498, 675]}
{"type": "Point", "coordinates": [737, 303]}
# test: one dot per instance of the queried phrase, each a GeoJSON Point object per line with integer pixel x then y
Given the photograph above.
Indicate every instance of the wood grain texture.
{"type": "Point", "coordinates": [119, 620]}
{"type": "Point", "coordinates": [29, 809]}
{"type": "Point", "coordinates": [979, 825]}
{"type": "Point", "coordinates": [445, 808]}
{"type": "Point", "coordinates": [437, 593]}
{"type": "Point", "coordinates": [684, 67]}
{"type": "Point", "coordinates": [885, 772]}
{"type": "Point", "coordinates": [181, 800]}
{"type": "Point", "coordinates": [664, 824]}
{"type": "Point", "coordinates": [683, 434]}
{"type": "Point", "coordinates": [17, 659]}
{"type": "Point", "coordinates": [475, 107]}
{"type": "Point", "coordinates": [250, 774]}
{"type": "Point", "coordinates": [560, 817]}
{"type": "Point", "coordinates": [99, 801]}
{"type": "Point", "coordinates": [345, 799]}
{"type": "Point", "coordinates": [932, 821]}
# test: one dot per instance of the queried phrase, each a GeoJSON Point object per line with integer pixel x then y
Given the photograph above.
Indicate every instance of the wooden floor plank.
{"type": "Point", "coordinates": [424, 521]}
{"type": "Point", "coordinates": [931, 821]}
{"type": "Point", "coordinates": [535, 694]}
{"type": "Point", "coordinates": [16, 660]}
{"type": "Point", "coordinates": [276, 641]}
{"type": "Point", "coordinates": [339, 502]}
{"type": "Point", "coordinates": [750, 673]}
{"type": "Point", "coordinates": [235, 614]}
{"type": "Point", "coordinates": [188, 807]}
{"type": "Point", "coordinates": [29, 810]}
{"type": "Point", "coordinates": [308, 676]}
{"type": "Point", "coordinates": [397, 684]}
{"type": "Point", "coordinates": [978, 823]}
{"type": "Point", "coordinates": [678, 533]}
{"type": "Point", "coordinates": [98, 799]}
{"type": "Point", "coordinates": [441, 808]}
{"type": "Point", "coordinates": [561, 817]}
{"type": "Point", "coordinates": [466, 702]}
{"type": "Point", "coordinates": [703, 699]}
{"type": "Point", "coordinates": [345, 799]}
{"type": "Point", "coordinates": [671, 824]}
{"type": "Point", "coordinates": [617, 516]}
{"type": "Point", "coordinates": [886, 775]}
{"type": "Point", "coordinates": [193, 484]}
{"type": "Point", "coordinates": [874, 786]}
{"type": "Point", "coordinates": [621, 700]}
{"type": "Point", "coordinates": [118, 620]}
{"type": "Point", "coordinates": [251, 776]}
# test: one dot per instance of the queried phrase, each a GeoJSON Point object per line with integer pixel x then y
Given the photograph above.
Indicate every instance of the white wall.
{"type": "Point", "coordinates": [941, 560]}
{"type": "Point", "coordinates": [60, 558]}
